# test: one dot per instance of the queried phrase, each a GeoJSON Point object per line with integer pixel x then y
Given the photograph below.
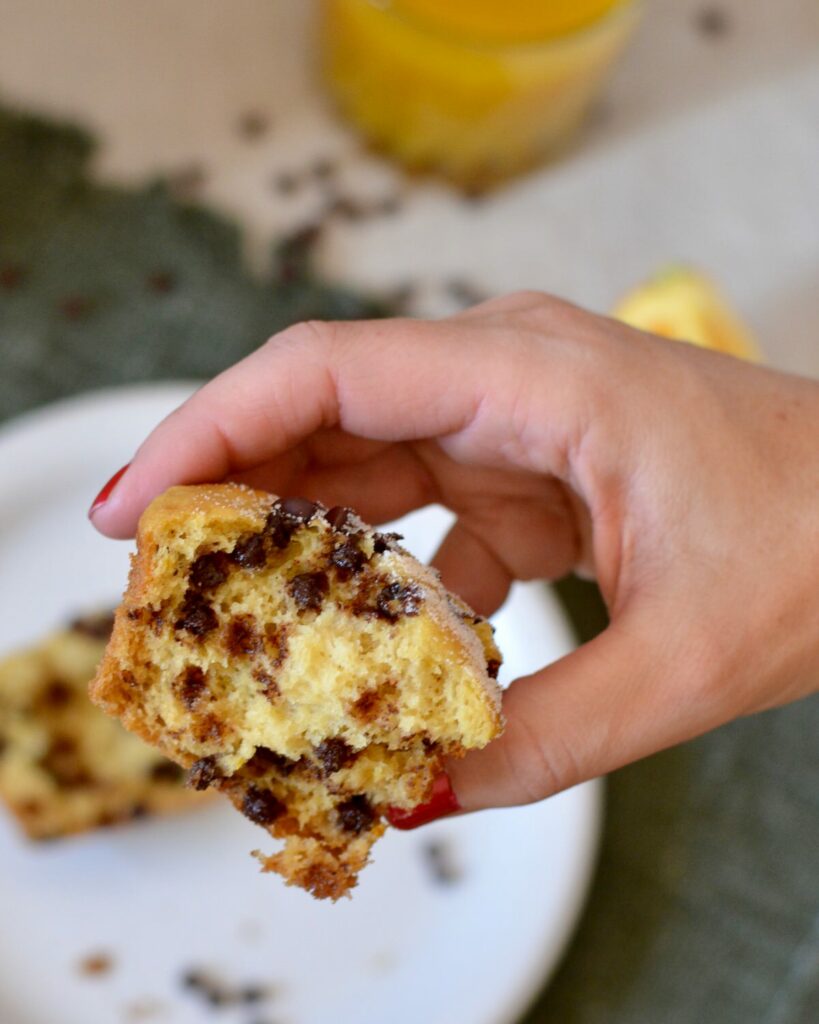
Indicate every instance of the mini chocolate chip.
{"type": "Point", "coordinates": [167, 771]}
{"type": "Point", "coordinates": [266, 760]}
{"type": "Point", "coordinates": [339, 516]}
{"type": "Point", "coordinates": [270, 688]}
{"type": "Point", "coordinates": [242, 637]}
{"type": "Point", "coordinates": [261, 806]}
{"type": "Point", "coordinates": [161, 281]}
{"type": "Point", "coordinates": [190, 686]}
{"type": "Point", "coordinates": [209, 571]}
{"type": "Point", "coordinates": [279, 527]}
{"type": "Point", "coordinates": [396, 600]}
{"type": "Point", "coordinates": [12, 276]}
{"type": "Point", "coordinates": [333, 754]}
{"type": "Point", "coordinates": [385, 542]}
{"type": "Point", "coordinates": [348, 558]}
{"type": "Point", "coordinates": [250, 551]}
{"type": "Point", "coordinates": [309, 589]}
{"type": "Point", "coordinates": [203, 773]}
{"type": "Point", "coordinates": [356, 815]}
{"type": "Point", "coordinates": [98, 626]}
{"type": "Point", "coordinates": [492, 668]}
{"type": "Point", "coordinates": [57, 694]}
{"type": "Point", "coordinates": [301, 510]}
{"type": "Point", "coordinates": [196, 615]}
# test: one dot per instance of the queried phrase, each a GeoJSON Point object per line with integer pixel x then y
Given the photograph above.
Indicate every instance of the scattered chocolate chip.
{"type": "Point", "coordinates": [250, 552]}
{"type": "Point", "coordinates": [338, 517]}
{"type": "Point", "coordinates": [442, 864]}
{"type": "Point", "coordinates": [190, 686]}
{"type": "Point", "coordinates": [286, 182]}
{"type": "Point", "coordinates": [356, 815]}
{"type": "Point", "coordinates": [261, 806]}
{"type": "Point", "coordinates": [167, 771]}
{"type": "Point", "coordinates": [96, 964]}
{"type": "Point", "coordinates": [348, 558]}
{"type": "Point", "coordinates": [12, 276]}
{"type": "Point", "coordinates": [492, 668]}
{"type": "Point", "coordinates": [396, 600]}
{"type": "Point", "coordinates": [196, 615]}
{"type": "Point", "coordinates": [386, 542]}
{"type": "Point", "coordinates": [252, 124]}
{"type": "Point", "coordinates": [712, 22]}
{"type": "Point", "coordinates": [333, 754]}
{"type": "Point", "coordinates": [97, 626]}
{"type": "Point", "coordinates": [309, 589]}
{"type": "Point", "coordinates": [464, 293]}
{"type": "Point", "coordinates": [209, 571]}
{"type": "Point", "coordinates": [76, 307]}
{"type": "Point", "coordinates": [161, 281]}
{"type": "Point", "coordinates": [266, 760]}
{"type": "Point", "coordinates": [57, 694]}
{"type": "Point", "coordinates": [187, 181]}
{"type": "Point", "coordinates": [242, 637]}
{"type": "Point", "coordinates": [323, 169]}
{"type": "Point", "coordinates": [203, 773]}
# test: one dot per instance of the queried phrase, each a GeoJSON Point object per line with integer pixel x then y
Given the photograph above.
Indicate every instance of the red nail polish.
{"type": "Point", "coordinates": [105, 493]}
{"type": "Point", "coordinates": [443, 801]}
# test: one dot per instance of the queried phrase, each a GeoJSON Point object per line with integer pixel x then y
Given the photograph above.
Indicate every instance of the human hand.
{"type": "Point", "coordinates": [686, 482]}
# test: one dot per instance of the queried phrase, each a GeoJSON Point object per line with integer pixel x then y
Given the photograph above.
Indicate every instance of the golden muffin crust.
{"type": "Point", "coordinates": [64, 766]}
{"type": "Point", "coordinates": [300, 662]}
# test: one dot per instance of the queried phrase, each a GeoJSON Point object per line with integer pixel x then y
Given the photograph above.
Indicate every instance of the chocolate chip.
{"type": "Point", "coordinates": [209, 571]}
{"type": "Point", "coordinates": [301, 510]}
{"type": "Point", "coordinates": [492, 668]}
{"type": "Point", "coordinates": [203, 773]}
{"type": "Point", "coordinates": [386, 542]}
{"type": "Point", "coordinates": [270, 688]}
{"type": "Point", "coordinates": [309, 589]}
{"type": "Point", "coordinates": [348, 558]}
{"type": "Point", "coordinates": [356, 815]}
{"type": "Point", "coordinates": [98, 626]}
{"type": "Point", "coordinates": [57, 694]}
{"type": "Point", "coordinates": [250, 552]}
{"type": "Point", "coordinates": [190, 686]}
{"type": "Point", "coordinates": [166, 771]}
{"type": "Point", "coordinates": [333, 754]}
{"type": "Point", "coordinates": [76, 307]}
{"type": "Point", "coordinates": [161, 281]}
{"type": "Point", "coordinates": [266, 760]}
{"type": "Point", "coordinates": [242, 637]}
{"type": "Point", "coordinates": [396, 600]}
{"type": "Point", "coordinates": [261, 806]}
{"type": "Point", "coordinates": [12, 276]}
{"type": "Point", "coordinates": [339, 516]}
{"type": "Point", "coordinates": [196, 615]}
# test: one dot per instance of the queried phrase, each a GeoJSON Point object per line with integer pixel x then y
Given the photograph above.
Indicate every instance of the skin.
{"type": "Point", "coordinates": [686, 483]}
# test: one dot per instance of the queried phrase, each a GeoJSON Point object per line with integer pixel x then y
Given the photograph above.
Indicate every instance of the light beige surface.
{"type": "Point", "coordinates": [705, 150]}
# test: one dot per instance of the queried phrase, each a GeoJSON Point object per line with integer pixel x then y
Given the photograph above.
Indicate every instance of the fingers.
{"type": "Point", "coordinates": [391, 380]}
{"type": "Point", "coordinates": [472, 570]}
{"type": "Point", "coordinates": [612, 701]}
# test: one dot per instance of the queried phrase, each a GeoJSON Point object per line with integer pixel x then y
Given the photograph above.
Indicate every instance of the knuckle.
{"type": "Point", "coordinates": [305, 334]}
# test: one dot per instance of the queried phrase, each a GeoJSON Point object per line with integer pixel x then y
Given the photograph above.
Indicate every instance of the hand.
{"type": "Point", "coordinates": [686, 482]}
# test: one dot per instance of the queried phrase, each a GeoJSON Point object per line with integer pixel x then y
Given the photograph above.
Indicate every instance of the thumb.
{"type": "Point", "coordinates": [614, 700]}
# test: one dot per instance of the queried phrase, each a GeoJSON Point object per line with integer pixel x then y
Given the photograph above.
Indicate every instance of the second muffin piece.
{"type": "Point", "coordinates": [302, 663]}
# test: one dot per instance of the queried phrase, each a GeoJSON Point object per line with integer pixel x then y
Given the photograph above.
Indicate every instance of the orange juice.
{"type": "Point", "coordinates": [476, 90]}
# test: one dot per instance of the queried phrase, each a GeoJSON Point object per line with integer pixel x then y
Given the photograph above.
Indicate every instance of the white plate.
{"type": "Point", "coordinates": [164, 896]}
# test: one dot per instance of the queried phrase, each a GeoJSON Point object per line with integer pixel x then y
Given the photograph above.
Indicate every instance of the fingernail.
{"type": "Point", "coordinates": [106, 492]}
{"type": "Point", "coordinates": [443, 801]}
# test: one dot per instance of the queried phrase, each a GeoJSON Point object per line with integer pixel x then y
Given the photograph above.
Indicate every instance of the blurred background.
{"type": "Point", "coordinates": [181, 178]}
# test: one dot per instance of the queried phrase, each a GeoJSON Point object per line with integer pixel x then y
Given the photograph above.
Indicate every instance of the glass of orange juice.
{"type": "Point", "coordinates": [475, 90]}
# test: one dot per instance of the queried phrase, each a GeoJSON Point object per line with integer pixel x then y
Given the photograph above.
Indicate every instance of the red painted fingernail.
{"type": "Point", "coordinates": [443, 801]}
{"type": "Point", "coordinates": [105, 493]}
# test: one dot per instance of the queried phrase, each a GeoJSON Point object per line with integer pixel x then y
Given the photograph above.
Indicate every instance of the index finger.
{"type": "Point", "coordinates": [388, 380]}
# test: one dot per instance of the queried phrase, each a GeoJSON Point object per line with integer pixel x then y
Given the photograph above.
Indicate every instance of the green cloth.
{"type": "Point", "coordinates": [705, 906]}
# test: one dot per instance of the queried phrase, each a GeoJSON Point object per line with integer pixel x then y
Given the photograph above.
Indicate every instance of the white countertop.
{"type": "Point", "coordinates": [706, 150]}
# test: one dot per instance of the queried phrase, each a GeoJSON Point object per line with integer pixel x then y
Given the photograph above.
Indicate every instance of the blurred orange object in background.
{"type": "Point", "coordinates": [475, 90]}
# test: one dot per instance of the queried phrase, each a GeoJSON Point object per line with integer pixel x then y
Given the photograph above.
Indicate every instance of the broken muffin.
{"type": "Point", "coordinates": [64, 766]}
{"type": "Point", "coordinates": [300, 662]}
